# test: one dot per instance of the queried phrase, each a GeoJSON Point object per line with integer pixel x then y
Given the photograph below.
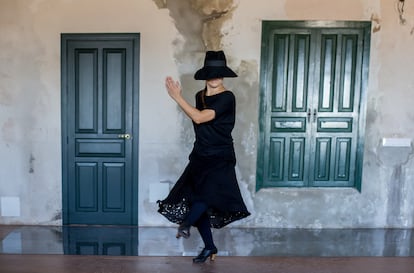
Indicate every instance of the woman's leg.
{"type": "Point", "coordinates": [199, 218]}
{"type": "Point", "coordinates": [210, 250]}
{"type": "Point", "coordinates": [203, 226]}
{"type": "Point", "coordinates": [197, 209]}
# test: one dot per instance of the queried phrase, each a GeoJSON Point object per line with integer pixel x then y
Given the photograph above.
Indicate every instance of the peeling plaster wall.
{"type": "Point", "coordinates": [174, 36]}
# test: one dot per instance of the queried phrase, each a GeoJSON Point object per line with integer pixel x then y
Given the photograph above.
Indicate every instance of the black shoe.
{"type": "Point", "coordinates": [205, 253]}
{"type": "Point", "coordinates": [183, 231]}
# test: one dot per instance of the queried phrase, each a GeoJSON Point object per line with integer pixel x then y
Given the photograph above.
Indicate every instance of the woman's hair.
{"type": "Point", "coordinates": [203, 97]}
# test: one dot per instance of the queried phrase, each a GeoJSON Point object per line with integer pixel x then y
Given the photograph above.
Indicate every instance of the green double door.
{"type": "Point", "coordinates": [312, 114]}
{"type": "Point", "coordinates": [100, 128]}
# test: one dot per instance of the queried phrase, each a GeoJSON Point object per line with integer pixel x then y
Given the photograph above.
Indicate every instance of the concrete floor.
{"type": "Point", "coordinates": [40, 249]}
{"type": "Point", "coordinates": [117, 264]}
{"type": "Point", "coordinates": [152, 241]}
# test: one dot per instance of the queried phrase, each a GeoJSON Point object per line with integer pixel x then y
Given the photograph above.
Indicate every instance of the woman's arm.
{"type": "Point", "coordinates": [174, 90]}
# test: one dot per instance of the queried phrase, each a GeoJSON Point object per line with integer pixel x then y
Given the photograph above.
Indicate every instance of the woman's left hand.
{"type": "Point", "coordinates": [173, 88]}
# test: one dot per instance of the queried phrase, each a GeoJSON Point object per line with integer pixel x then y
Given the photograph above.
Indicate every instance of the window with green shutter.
{"type": "Point", "coordinates": [312, 103]}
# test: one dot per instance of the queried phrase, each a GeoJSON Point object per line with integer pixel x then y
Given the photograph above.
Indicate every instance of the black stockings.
{"type": "Point", "coordinates": [199, 218]}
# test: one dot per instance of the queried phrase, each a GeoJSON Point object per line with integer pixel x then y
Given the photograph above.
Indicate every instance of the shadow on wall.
{"type": "Point", "coordinates": [396, 153]}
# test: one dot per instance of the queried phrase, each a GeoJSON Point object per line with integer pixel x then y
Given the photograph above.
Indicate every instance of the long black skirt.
{"type": "Point", "coordinates": [210, 180]}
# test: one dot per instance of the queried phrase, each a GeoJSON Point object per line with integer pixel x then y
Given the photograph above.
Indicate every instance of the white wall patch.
{"type": "Point", "coordinates": [10, 206]}
{"type": "Point", "coordinates": [396, 142]}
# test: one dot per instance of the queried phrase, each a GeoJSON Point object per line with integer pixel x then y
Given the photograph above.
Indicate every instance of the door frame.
{"type": "Point", "coordinates": [135, 38]}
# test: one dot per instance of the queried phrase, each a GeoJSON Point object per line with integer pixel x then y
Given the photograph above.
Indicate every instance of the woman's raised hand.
{"type": "Point", "coordinates": [173, 88]}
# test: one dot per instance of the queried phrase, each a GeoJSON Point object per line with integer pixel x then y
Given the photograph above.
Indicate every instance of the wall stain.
{"type": "Point", "coordinates": [161, 4]}
{"type": "Point", "coordinates": [57, 216]}
{"type": "Point", "coordinates": [31, 163]}
{"type": "Point", "coordinates": [395, 158]}
{"type": "Point", "coordinates": [395, 198]}
{"type": "Point", "coordinates": [8, 130]}
{"type": "Point", "coordinates": [199, 23]}
{"type": "Point", "coordinates": [201, 20]}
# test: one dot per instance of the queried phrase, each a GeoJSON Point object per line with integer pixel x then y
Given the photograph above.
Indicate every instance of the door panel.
{"type": "Point", "coordinates": [290, 99]}
{"type": "Point", "coordinates": [114, 90]}
{"type": "Point", "coordinates": [86, 104]}
{"type": "Point", "coordinates": [114, 187]}
{"type": "Point", "coordinates": [99, 121]}
{"type": "Point", "coordinates": [86, 185]}
{"type": "Point", "coordinates": [348, 75]}
{"type": "Point", "coordinates": [300, 72]}
{"type": "Point", "coordinates": [338, 104]}
{"type": "Point", "coordinates": [322, 167]}
{"type": "Point", "coordinates": [342, 159]}
{"type": "Point", "coordinates": [275, 159]}
{"type": "Point", "coordinates": [296, 158]}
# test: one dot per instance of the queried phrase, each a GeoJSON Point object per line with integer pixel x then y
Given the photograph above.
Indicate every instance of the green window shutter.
{"type": "Point", "coordinates": [312, 101]}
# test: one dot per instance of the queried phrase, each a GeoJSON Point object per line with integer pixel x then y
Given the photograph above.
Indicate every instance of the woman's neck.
{"type": "Point", "coordinates": [215, 90]}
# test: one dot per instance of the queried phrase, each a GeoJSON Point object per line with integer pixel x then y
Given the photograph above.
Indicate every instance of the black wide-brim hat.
{"type": "Point", "coordinates": [215, 66]}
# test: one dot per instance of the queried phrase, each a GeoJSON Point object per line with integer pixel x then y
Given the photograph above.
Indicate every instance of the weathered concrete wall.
{"type": "Point", "coordinates": [174, 37]}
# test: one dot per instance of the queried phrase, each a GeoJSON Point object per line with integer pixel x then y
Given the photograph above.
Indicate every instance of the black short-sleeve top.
{"type": "Point", "coordinates": [214, 138]}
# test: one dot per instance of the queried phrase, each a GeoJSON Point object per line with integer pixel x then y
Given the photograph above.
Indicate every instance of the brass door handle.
{"type": "Point", "coordinates": [124, 136]}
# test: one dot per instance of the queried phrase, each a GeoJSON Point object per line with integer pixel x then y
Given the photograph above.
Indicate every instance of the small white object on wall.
{"type": "Point", "coordinates": [159, 191]}
{"type": "Point", "coordinates": [396, 142]}
{"type": "Point", "coordinates": [10, 206]}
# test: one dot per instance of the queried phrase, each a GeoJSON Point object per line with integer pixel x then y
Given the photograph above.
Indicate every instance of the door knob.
{"type": "Point", "coordinates": [124, 136]}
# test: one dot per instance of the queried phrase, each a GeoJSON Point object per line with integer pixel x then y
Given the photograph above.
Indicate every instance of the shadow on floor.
{"type": "Point", "coordinates": [152, 241]}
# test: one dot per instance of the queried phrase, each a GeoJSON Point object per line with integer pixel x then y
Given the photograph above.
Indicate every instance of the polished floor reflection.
{"type": "Point", "coordinates": [152, 241]}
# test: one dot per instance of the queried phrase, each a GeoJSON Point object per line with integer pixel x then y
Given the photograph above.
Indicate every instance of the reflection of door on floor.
{"type": "Point", "coordinates": [100, 128]}
{"type": "Point", "coordinates": [111, 241]}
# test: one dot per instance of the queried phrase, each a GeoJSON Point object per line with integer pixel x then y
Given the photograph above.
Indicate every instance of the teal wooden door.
{"type": "Point", "coordinates": [312, 104]}
{"type": "Point", "coordinates": [99, 128]}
